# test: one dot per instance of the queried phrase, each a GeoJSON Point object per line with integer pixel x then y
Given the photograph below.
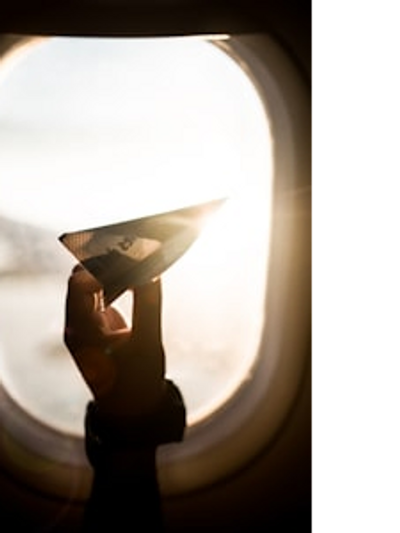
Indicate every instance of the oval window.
{"type": "Point", "coordinates": [96, 131]}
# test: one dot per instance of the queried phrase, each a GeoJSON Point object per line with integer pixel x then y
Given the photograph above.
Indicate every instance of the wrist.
{"type": "Point", "coordinates": [109, 439]}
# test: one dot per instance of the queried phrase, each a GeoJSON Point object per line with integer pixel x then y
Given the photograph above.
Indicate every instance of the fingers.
{"type": "Point", "coordinates": [86, 331]}
{"type": "Point", "coordinates": [83, 307]}
{"type": "Point", "coordinates": [147, 310]}
{"type": "Point", "coordinates": [81, 282]}
{"type": "Point", "coordinates": [86, 317]}
{"type": "Point", "coordinates": [82, 288]}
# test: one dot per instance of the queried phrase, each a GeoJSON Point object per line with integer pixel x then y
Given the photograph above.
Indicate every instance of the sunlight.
{"type": "Point", "coordinates": [120, 130]}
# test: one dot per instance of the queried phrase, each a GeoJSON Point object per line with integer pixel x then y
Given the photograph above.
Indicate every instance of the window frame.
{"type": "Point", "coordinates": [225, 442]}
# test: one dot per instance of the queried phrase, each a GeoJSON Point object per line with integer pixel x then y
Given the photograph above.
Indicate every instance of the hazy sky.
{"type": "Point", "coordinates": [95, 131]}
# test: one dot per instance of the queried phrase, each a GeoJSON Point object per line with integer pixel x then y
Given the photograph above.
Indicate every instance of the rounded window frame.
{"type": "Point", "coordinates": [223, 443]}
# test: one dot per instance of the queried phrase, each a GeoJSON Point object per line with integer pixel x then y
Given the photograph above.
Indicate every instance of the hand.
{"type": "Point", "coordinates": [123, 367]}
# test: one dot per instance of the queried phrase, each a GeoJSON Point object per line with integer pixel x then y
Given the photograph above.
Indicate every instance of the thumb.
{"type": "Point", "coordinates": [147, 310]}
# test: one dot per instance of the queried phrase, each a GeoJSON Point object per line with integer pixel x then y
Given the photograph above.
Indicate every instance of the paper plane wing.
{"type": "Point", "coordinates": [132, 253]}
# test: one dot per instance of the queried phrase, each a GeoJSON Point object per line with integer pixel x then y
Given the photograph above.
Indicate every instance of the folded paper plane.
{"type": "Point", "coordinates": [132, 253]}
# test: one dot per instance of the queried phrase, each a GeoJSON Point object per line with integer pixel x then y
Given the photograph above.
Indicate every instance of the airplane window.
{"type": "Point", "coordinates": [96, 131]}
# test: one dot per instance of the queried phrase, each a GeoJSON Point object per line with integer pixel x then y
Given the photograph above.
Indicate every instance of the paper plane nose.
{"type": "Point", "coordinates": [132, 253]}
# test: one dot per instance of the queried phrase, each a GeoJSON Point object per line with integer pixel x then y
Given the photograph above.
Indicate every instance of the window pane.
{"type": "Point", "coordinates": [96, 131]}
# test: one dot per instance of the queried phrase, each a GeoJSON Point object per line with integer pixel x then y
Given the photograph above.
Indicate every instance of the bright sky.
{"type": "Point", "coordinates": [100, 131]}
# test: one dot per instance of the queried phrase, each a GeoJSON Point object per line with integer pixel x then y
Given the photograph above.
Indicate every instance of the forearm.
{"type": "Point", "coordinates": [125, 493]}
{"type": "Point", "coordinates": [123, 456]}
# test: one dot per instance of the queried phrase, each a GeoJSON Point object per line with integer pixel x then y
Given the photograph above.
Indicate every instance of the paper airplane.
{"type": "Point", "coordinates": [132, 253]}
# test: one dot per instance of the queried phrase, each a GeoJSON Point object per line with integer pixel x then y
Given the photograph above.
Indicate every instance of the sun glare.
{"type": "Point", "coordinates": [98, 131]}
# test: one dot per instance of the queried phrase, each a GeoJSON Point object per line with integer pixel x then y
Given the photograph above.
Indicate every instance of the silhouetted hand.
{"type": "Point", "coordinates": [123, 367]}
